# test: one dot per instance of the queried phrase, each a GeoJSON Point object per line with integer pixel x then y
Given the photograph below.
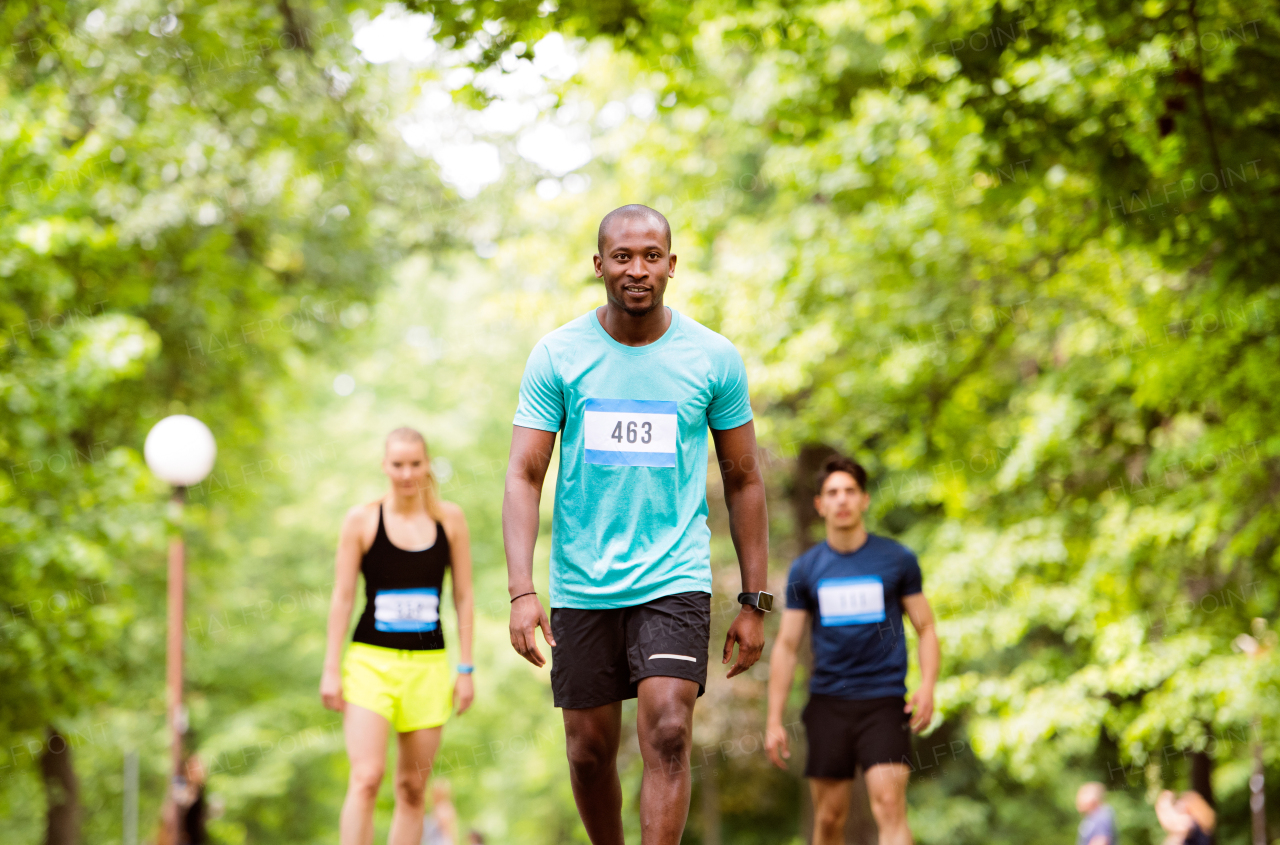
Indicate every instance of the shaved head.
{"type": "Point", "coordinates": [632, 212]}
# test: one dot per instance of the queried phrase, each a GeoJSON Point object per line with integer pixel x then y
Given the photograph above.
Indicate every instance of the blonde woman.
{"type": "Point", "coordinates": [395, 674]}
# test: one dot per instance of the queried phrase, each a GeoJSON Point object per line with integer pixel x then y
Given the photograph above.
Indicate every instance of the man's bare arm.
{"type": "Point", "coordinates": [921, 615]}
{"type": "Point", "coordinates": [530, 456]}
{"type": "Point", "coordinates": [782, 671]}
{"type": "Point", "coordinates": [749, 527]}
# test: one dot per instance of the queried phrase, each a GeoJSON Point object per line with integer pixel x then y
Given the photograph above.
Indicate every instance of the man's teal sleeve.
{"type": "Point", "coordinates": [731, 405]}
{"type": "Point", "coordinates": [541, 397]}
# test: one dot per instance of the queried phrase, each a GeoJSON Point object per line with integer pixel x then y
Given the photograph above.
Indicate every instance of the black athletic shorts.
{"type": "Point", "coordinates": [601, 656]}
{"type": "Point", "coordinates": [845, 734]}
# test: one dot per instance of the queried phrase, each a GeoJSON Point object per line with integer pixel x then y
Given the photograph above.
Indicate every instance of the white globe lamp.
{"type": "Point", "coordinates": [180, 450]}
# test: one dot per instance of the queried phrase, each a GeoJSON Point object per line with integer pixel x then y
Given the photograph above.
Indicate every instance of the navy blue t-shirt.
{"type": "Point", "coordinates": [855, 600]}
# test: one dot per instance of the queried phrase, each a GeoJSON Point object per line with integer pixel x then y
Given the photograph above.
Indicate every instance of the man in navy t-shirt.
{"type": "Point", "coordinates": [855, 587]}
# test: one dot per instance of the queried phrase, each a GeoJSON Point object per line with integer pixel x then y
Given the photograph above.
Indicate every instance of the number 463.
{"type": "Point", "coordinates": [644, 432]}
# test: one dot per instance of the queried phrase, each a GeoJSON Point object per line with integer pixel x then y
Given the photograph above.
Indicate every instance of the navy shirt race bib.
{"type": "Point", "coordinates": [850, 601]}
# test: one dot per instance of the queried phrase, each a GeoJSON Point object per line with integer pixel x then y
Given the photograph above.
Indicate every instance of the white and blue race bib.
{"type": "Point", "coordinates": [630, 432]}
{"type": "Point", "coordinates": [851, 601]}
{"type": "Point", "coordinates": [414, 611]}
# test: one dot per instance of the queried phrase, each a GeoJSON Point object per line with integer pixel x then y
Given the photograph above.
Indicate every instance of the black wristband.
{"type": "Point", "coordinates": [522, 595]}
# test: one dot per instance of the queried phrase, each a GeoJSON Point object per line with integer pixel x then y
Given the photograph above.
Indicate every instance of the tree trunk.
{"type": "Point", "coordinates": [62, 791]}
{"type": "Point", "coordinates": [808, 462]}
{"type": "Point", "coordinates": [1202, 775]}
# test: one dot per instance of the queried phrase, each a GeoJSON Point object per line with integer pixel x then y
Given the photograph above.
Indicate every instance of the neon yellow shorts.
{"type": "Point", "coordinates": [410, 689]}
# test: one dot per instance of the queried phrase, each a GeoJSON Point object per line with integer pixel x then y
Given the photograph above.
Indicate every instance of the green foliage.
{"type": "Point", "coordinates": [1020, 260]}
{"type": "Point", "coordinates": [178, 223]}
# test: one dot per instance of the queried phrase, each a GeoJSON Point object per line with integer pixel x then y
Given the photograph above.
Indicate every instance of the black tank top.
{"type": "Point", "coordinates": [402, 593]}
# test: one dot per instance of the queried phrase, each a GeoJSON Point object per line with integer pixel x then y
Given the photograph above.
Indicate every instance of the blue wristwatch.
{"type": "Point", "coordinates": [465, 668]}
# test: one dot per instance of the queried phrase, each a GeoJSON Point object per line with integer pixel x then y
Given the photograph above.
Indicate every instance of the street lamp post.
{"type": "Point", "coordinates": [180, 450]}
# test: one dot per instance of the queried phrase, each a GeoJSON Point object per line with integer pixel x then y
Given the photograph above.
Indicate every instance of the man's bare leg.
{"type": "Point", "coordinates": [887, 789]}
{"type": "Point", "coordinates": [830, 809]}
{"type": "Point", "coordinates": [591, 738]}
{"type": "Point", "coordinates": [665, 728]}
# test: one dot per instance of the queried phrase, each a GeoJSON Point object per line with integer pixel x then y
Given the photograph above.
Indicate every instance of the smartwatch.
{"type": "Point", "coordinates": [760, 601]}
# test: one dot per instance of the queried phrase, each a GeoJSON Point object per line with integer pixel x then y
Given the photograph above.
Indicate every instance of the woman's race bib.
{"type": "Point", "coordinates": [413, 610]}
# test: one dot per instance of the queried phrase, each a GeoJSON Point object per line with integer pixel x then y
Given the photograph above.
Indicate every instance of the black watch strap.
{"type": "Point", "coordinates": [761, 601]}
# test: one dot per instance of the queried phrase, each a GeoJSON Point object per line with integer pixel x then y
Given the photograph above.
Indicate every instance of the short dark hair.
{"type": "Point", "coordinates": [632, 211]}
{"type": "Point", "coordinates": [839, 463]}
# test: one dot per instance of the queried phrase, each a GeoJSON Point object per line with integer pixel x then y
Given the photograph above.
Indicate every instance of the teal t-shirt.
{"type": "Point", "coordinates": [630, 519]}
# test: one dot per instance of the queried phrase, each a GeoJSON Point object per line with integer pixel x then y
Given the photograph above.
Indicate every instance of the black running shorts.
{"type": "Point", "coordinates": [845, 734]}
{"type": "Point", "coordinates": [601, 656]}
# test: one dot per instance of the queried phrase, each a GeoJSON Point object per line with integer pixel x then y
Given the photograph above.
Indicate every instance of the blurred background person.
{"type": "Point", "coordinates": [1187, 819]}
{"type": "Point", "coordinates": [395, 673]}
{"type": "Point", "coordinates": [193, 810]}
{"type": "Point", "coordinates": [441, 824]}
{"type": "Point", "coordinates": [1098, 827]}
{"type": "Point", "coordinates": [851, 592]}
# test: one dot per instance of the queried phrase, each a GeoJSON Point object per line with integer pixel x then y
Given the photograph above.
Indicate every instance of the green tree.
{"type": "Point", "coordinates": [185, 208]}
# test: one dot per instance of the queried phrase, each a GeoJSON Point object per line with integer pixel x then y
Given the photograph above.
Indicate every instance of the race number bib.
{"type": "Point", "coordinates": [850, 601]}
{"type": "Point", "coordinates": [406, 610]}
{"type": "Point", "coordinates": [630, 432]}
